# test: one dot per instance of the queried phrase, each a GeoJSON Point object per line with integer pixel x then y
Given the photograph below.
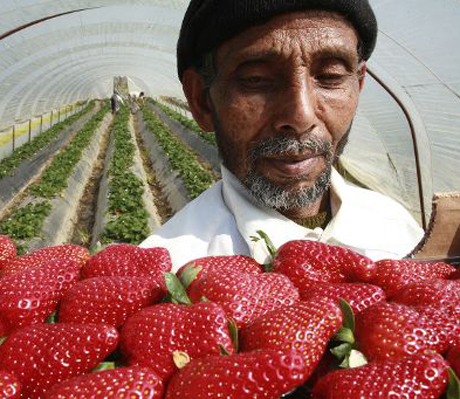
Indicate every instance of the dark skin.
{"type": "Point", "coordinates": [299, 75]}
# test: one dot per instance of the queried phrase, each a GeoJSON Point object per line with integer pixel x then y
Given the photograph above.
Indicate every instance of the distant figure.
{"type": "Point", "coordinates": [115, 101]}
{"type": "Point", "coordinates": [141, 99]}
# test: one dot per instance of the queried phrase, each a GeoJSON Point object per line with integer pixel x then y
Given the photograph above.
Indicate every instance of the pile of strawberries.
{"type": "Point", "coordinates": [320, 321]}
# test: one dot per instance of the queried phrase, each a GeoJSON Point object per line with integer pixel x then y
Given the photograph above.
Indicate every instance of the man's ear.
{"type": "Point", "coordinates": [198, 98]}
{"type": "Point", "coordinates": [362, 70]}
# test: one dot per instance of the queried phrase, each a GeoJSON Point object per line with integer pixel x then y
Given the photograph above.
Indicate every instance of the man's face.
{"type": "Point", "coordinates": [283, 98]}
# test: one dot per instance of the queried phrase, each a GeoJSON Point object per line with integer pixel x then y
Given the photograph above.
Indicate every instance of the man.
{"type": "Point", "coordinates": [279, 82]}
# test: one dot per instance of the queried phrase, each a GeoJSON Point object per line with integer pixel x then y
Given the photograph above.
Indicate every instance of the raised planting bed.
{"type": "Point", "coordinates": [203, 143]}
{"type": "Point", "coordinates": [178, 162]}
{"type": "Point", "coordinates": [29, 160]}
{"type": "Point", "coordinates": [125, 211]}
{"type": "Point", "coordinates": [46, 215]}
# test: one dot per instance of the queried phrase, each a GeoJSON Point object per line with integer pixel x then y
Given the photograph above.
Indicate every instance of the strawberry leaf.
{"type": "Point", "coordinates": [96, 248]}
{"type": "Point", "coordinates": [2, 340]}
{"type": "Point", "coordinates": [189, 274]}
{"type": "Point", "coordinates": [348, 315]}
{"type": "Point", "coordinates": [453, 389]}
{"type": "Point", "coordinates": [345, 335]}
{"type": "Point", "coordinates": [341, 351]}
{"type": "Point", "coordinates": [104, 366]}
{"type": "Point", "coordinates": [223, 351]}
{"type": "Point", "coordinates": [176, 289]}
{"type": "Point", "coordinates": [204, 299]}
{"type": "Point", "coordinates": [52, 318]}
{"type": "Point", "coordinates": [271, 248]}
{"type": "Point", "coordinates": [233, 329]}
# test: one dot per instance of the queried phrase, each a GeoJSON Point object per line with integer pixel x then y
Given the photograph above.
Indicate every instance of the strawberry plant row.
{"type": "Point", "coordinates": [46, 215]}
{"type": "Point", "coordinates": [209, 137]}
{"type": "Point", "coordinates": [122, 205]}
{"type": "Point", "coordinates": [203, 148]}
{"type": "Point", "coordinates": [26, 151]}
{"type": "Point", "coordinates": [184, 161]}
{"type": "Point", "coordinates": [27, 163]}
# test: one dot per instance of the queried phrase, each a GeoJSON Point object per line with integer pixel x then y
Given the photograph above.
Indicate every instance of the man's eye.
{"type": "Point", "coordinates": [331, 80]}
{"type": "Point", "coordinates": [254, 81]}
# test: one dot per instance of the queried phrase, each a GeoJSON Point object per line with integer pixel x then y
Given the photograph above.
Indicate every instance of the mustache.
{"type": "Point", "coordinates": [288, 145]}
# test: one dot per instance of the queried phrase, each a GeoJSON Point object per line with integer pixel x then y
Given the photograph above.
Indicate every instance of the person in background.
{"type": "Point", "coordinates": [279, 83]}
{"type": "Point", "coordinates": [115, 102]}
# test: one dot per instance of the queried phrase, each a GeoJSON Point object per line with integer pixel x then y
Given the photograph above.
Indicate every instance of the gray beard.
{"type": "Point", "coordinates": [266, 193]}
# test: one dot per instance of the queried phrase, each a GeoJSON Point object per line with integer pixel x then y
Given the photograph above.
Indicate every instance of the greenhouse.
{"type": "Point", "coordinates": [109, 171]}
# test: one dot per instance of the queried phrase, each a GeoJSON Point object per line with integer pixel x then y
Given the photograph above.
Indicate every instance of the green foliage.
{"type": "Point", "coordinates": [26, 222]}
{"type": "Point", "coordinates": [125, 205]}
{"type": "Point", "coordinates": [209, 137]}
{"type": "Point", "coordinates": [195, 177]}
{"type": "Point", "coordinates": [54, 180]}
{"type": "Point", "coordinates": [26, 151]}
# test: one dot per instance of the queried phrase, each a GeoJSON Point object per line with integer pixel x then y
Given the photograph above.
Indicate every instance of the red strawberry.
{"type": "Point", "coordinates": [123, 382]}
{"type": "Point", "coordinates": [30, 296]}
{"type": "Point", "coordinates": [454, 359]}
{"type": "Point", "coordinates": [198, 268]}
{"type": "Point", "coordinates": [150, 336]}
{"type": "Point", "coordinates": [392, 275]}
{"type": "Point", "coordinates": [41, 256]}
{"type": "Point", "coordinates": [305, 327]}
{"type": "Point", "coordinates": [45, 354]}
{"type": "Point", "coordinates": [7, 250]}
{"type": "Point", "coordinates": [126, 260]}
{"type": "Point", "coordinates": [429, 292]}
{"type": "Point", "coordinates": [108, 300]}
{"type": "Point", "coordinates": [244, 296]}
{"type": "Point", "coordinates": [306, 261]}
{"type": "Point", "coordinates": [9, 386]}
{"type": "Point", "coordinates": [358, 295]}
{"type": "Point", "coordinates": [418, 376]}
{"type": "Point", "coordinates": [455, 275]}
{"type": "Point", "coordinates": [391, 330]}
{"type": "Point", "coordinates": [267, 374]}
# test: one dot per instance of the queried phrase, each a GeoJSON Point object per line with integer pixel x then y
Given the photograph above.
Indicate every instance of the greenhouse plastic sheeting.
{"type": "Point", "coordinates": [58, 52]}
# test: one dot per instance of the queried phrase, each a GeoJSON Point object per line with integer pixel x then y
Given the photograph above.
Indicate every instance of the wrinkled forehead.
{"type": "Point", "coordinates": [302, 33]}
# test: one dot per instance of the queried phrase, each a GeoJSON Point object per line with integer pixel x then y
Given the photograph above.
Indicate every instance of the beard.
{"type": "Point", "coordinates": [265, 192]}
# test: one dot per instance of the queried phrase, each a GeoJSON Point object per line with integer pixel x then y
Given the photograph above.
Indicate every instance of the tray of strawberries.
{"type": "Point", "coordinates": [318, 321]}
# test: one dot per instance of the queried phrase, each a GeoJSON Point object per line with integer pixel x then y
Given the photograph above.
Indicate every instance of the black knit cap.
{"type": "Point", "coordinates": [209, 23]}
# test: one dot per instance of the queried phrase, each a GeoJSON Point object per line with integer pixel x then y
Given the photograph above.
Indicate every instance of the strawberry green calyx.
{"type": "Point", "coordinates": [346, 350]}
{"type": "Point", "coordinates": [104, 366]}
{"type": "Point", "coordinates": [2, 340]}
{"type": "Point", "coordinates": [270, 247]}
{"type": "Point", "coordinates": [453, 389]}
{"type": "Point", "coordinates": [176, 289]}
{"type": "Point", "coordinates": [223, 351]}
{"type": "Point", "coordinates": [233, 329]}
{"type": "Point", "coordinates": [98, 247]}
{"type": "Point", "coordinates": [52, 318]}
{"type": "Point", "coordinates": [190, 273]}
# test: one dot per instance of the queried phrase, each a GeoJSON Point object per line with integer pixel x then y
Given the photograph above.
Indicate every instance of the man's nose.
{"type": "Point", "coordinates": [296, 109]}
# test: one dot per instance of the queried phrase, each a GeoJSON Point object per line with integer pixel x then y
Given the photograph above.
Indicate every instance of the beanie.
{"type": "Point", "coordinates": [209, 23]}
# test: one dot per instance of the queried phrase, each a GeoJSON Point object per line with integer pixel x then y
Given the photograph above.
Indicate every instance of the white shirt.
{"type": "Point", "coordinates": [222, 220]}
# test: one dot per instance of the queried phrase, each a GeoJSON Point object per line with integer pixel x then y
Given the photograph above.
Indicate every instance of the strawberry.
{"type": "Point", "coordinates": [151, 336]}
{"type": "Point", "coordinates": [453, 358]}
{"type": "Point", "coordinates": [9, 386]}
{"type": "Point", "coordinates": [455, 275]}
{"type": "Point", "coordinates": [392, 330]}
{"type": "Point", "coordinates": [305, 327]}
{"type": "Point", "coordinates": [305, 262]}
{"type": "Point", "coordinates": [418, 376]}
{"type": "Point", "coordinates": [392, 275]}
{"type": "Point", "coordinates": [7, 250]}
{"type": "Point", "coordinates": [196, 269]}
{"type": "Point", "coordinates": [123, 382]}
{"type": "Point", "coordinates": [359, 295]}
{"type": "Point", "coordinates": [125, 260]}
{"type": "Point", "coordinates": [41, 256]}
{"type": "Point", "coordinates": [429, 292]}
{"type": "Point", "coordinates": [244, 296]}
{"type": "Point", "coordinates": [267, 374]}
{"type": "Point", "coordinates": [45, 354]}
{"type": "Point", "coordinates": [108, 300]}
{"type": "Point", "coordinates": [30, 296]}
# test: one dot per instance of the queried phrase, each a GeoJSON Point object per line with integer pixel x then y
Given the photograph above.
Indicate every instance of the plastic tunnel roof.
{"type": "Point", "coordinates": [54, 53]}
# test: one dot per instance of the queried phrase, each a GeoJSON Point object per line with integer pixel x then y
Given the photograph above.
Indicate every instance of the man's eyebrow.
{"type": "Point", "coordinates": [337, 53]}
